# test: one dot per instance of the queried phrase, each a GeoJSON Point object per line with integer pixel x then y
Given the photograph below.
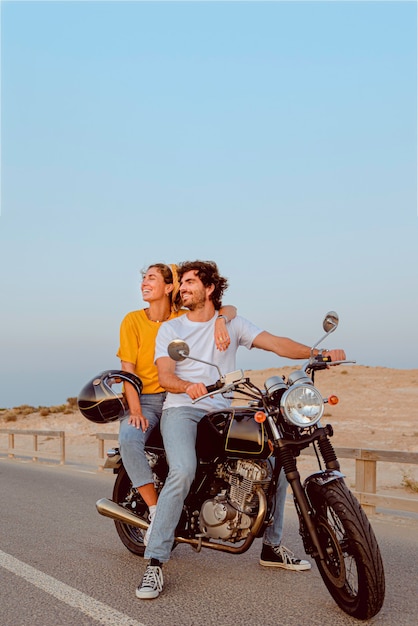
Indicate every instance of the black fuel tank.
{"type": "Point", "coordinates": [232, 432]}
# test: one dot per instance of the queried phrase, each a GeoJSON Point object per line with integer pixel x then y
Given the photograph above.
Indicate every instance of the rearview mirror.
{"type": "Point", "coordinates": [330, 322]}
{"type": "Point", "coordinates": [178, 350]}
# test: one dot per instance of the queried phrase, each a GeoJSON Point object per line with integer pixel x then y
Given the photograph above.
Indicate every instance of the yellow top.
{"type": "Point", "coordinates": [137, 345]}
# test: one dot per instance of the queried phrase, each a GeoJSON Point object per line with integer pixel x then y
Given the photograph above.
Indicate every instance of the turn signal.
{"type": "Point", "coordinates": [260, 417]}
{"type": "Point", "coordinates": [333, 400]}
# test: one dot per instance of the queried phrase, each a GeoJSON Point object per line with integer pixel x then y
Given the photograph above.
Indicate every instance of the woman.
{"type": "Point", "coordinates": [138, 332]}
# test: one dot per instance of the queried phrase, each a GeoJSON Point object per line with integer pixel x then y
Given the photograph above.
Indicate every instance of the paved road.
{"type": "Point", "coordinates": [62, 564]}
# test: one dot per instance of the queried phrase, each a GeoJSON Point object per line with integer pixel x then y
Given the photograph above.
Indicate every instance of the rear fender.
{"type": "Point", "coordinates": [113, 460]}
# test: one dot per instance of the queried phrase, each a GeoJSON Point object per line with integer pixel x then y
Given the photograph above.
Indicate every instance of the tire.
{"type": "Point", "coordinates": [132, 537]}
{"type": "Point", "coordinates": [353, 569]}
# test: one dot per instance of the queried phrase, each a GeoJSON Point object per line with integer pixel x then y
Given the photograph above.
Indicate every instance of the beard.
{"type": "Point", "coordinates": [197, 301]}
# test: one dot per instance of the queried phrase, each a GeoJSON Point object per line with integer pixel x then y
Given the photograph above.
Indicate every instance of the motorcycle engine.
{"type": "Point", "coordinates": [231, 513]}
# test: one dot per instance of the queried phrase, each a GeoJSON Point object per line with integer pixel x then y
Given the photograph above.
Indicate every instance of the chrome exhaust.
{"type": "Point", "coordinates": [108, 508]}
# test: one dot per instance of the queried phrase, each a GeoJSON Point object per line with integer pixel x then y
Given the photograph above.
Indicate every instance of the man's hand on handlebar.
{"type": "Point", "coordinates": [336, 355]}
{"type": "Point", "coordinates": [196, 390]}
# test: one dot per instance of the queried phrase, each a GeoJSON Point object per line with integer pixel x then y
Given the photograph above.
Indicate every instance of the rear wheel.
{"type": "Point", "coordinates": [353, 568]}
{"type": "Point", "coordinates": [131, 536]}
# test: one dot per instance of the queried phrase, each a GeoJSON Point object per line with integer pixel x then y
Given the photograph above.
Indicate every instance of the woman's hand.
{"type": "Point", "coordinates": [222, 339]}
{"type": "Point", "coordinates": [138, 420]}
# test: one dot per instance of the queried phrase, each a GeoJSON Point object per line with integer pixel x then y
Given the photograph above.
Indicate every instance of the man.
{"type": "Point", "coordinates": [201, 290]}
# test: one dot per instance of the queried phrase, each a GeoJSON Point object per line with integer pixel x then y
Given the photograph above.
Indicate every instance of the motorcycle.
{"type": "Point", "coordinates": [241, 451]}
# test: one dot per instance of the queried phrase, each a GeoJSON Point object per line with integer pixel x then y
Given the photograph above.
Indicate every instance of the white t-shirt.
{"type": "Point", "coordinates": [200, 338]}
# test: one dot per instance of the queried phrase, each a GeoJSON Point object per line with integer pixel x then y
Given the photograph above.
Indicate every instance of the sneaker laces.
{"type": "Point", "coordinates": [286, 554]}
{"type": "Point", "coordinates": [153, 578]}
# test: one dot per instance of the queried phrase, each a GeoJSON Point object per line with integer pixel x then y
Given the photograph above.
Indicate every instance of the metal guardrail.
{"type": "Point", "coordinates": [35, 453]}
{"type": "Point", "coordinates": [366, 477]}
{"type": "Point", "coordinates": [365, 465]}
{"type": "Point", "coordinates": [365, 474]}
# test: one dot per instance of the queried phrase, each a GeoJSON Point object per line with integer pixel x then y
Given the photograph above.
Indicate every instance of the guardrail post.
{"type": "Point", "coordinates": [35, 447]}
{"type": "Point", "coordinates": [11, 445]}
{"type": "Point", "coordinates": [62, 447]}
{"type": "Point", "coordinates": [101, 450]}
{"type": "Point", "coordinates": [366, 482]}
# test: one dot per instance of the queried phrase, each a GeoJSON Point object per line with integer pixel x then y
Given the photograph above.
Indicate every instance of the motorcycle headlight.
{"type": "Point", "coordinates": [302, 405]}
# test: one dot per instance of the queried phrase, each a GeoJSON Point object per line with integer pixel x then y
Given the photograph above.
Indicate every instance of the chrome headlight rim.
{"type": "Point", "coordinates": [295, 409]}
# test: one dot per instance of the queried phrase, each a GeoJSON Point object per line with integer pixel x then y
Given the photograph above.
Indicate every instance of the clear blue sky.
{"type": "Point", "coordinates": [276, 138]}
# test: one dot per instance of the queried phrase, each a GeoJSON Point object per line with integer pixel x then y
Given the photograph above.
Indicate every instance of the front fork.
{"type": "Point", "coordinates": [287, 460]}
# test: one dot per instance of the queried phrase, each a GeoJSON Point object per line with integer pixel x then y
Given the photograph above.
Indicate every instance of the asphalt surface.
{"type": "Point", "coordinates": [62, 564]}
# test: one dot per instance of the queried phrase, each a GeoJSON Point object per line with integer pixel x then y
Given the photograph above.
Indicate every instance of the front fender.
{"type": "Point", "coordinates": [322, 478]}
{"type": "Point", "coordinates": [314, 482]}
{"type": "Point", "coordinates": [313, 485]}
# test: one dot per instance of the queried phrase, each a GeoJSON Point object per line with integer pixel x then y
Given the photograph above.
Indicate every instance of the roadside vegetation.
{"type": "Point", "coordinates": [12, 415]}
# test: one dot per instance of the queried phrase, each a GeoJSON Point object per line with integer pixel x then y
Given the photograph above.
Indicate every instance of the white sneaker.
{"type": "Point", "coordinates": [148, 533]}
{"type": "Point", "coordinates": [152, 583]}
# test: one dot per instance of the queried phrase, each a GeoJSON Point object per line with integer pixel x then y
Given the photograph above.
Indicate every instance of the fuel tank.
{"type": "Point", "coordinates": [232, 432]}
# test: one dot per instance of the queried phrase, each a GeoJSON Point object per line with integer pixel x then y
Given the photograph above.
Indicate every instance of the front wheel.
{"type": "Point", "coordinates": [353, 567]}
{"type": "Point", "coordinates": [131, 536]}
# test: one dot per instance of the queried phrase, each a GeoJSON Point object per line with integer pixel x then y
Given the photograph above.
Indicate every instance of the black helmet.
{"type": "Point", "coordinates": [99, 402]}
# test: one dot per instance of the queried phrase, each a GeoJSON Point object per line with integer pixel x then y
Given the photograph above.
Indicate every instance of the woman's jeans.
{"type": "Point", "coordinates": [179, 429]}
{"type": "Point", "coordinates": [132, 440]}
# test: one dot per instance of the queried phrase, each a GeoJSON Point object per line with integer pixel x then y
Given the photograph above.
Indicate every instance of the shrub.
{"type": "Point", "coordinates": [58, 409]}
{"type": "Point", "coordinates": [409, 483]}
{"type": "Point", "coordinates": [10, 416]}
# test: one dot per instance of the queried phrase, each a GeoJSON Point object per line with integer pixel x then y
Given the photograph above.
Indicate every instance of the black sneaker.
{"type": "Point", "coordinates": [279, 556]}
{"type": "Point", "coordinates": [152, 582]}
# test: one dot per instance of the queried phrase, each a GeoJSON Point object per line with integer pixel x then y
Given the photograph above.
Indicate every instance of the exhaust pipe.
{"type": "Point", "coordinates": [108, 508]}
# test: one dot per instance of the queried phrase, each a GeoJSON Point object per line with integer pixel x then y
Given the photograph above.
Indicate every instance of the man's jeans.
{"type": "Point", "coordinates": [132, 440]}
{"type": "Point", "coordinates": [179, 428]}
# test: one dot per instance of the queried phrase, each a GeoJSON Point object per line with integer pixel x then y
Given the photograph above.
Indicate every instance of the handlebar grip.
{"type": "Point", "coordinates": [323, 359]}
{"type": "Point", "coordinates": [214, 387]}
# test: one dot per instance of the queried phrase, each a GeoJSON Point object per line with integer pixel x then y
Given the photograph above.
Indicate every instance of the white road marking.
{"type": "Point", "coordinates": [98, 611]}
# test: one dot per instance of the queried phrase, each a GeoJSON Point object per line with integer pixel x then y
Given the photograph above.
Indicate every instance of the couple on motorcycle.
{"type": "Point", "coordinates": [200, 289]}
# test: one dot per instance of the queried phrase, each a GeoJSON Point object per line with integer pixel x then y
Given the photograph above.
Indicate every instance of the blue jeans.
{"type": "Point", "coordinates": [179, 429]}
{"type": "Point", "coordinates": [132, 440]}
{"type": "Point", "coordinates": [274, 532]}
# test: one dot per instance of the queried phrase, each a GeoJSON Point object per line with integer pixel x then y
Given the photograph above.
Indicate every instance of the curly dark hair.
{"type": "Point", "coordinates": [208, 273]}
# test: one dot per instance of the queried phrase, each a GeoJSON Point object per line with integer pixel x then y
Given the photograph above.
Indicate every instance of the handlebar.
{"type": "Point", "coordinates": [214, 387]}
{"type": "Point", "coordinates": [231, 381]}
{"type": "Point", "coordinates": [322, 362]}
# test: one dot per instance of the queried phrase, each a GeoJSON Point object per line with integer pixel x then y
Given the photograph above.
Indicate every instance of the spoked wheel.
{"type": "Point", "coordinates": [353, 568]}
{"type": "Point", "coordinates": [131, 536]}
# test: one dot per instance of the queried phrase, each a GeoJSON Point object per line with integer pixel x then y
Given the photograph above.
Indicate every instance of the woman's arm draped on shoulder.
{"type": "Point", "coordinates": [222, 338]}
{"type": "Point", "coordinates": [229, 310]}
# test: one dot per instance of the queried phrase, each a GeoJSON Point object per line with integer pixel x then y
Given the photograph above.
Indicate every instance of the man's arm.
{"type": "Point", "coordinates": [172, 383]}
{"type": "Point", "coordinates": [285, 347]}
